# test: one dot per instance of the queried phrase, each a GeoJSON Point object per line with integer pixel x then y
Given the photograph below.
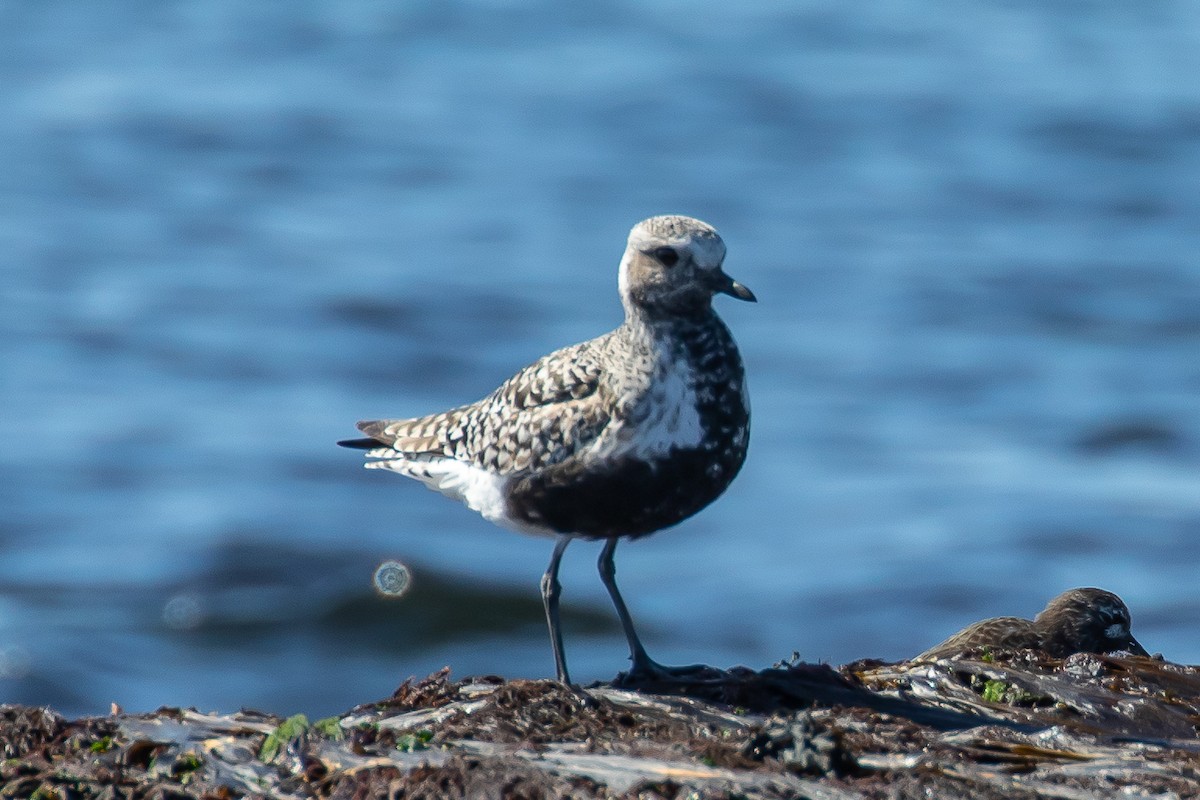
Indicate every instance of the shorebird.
{"type": "Point", "coordinates": [613, 438]}
{"type": "Point", "coordinates": [1077, 621]}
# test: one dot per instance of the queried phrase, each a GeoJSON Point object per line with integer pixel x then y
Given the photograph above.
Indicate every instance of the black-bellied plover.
{"type": "Point", "coordinates": [616, 437]}
{"type": "Point", "coordinates": [1077, 621]}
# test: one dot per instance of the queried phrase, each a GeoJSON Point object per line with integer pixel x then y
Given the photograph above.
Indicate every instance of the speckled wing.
{"type": "Point", "coordinates": [1007, 633]}
{"type": "Point", "coordinates": [538, 417]}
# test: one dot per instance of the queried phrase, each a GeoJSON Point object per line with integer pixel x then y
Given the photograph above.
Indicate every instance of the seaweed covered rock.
{"type": "Point", "coordinates": [1003, 725]}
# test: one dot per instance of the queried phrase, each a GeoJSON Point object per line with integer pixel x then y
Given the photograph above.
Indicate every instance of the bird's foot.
{"type": "Point", "coordinates": [648, 672]}
{"type": "Point", "coordinates": [581, 695]}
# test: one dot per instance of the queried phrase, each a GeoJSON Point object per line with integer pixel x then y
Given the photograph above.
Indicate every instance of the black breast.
{"type": "Point", "coordinates": [633, 497]}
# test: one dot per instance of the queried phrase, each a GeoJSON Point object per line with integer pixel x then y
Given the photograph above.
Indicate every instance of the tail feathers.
{"type": "Point", "coordinates": [395, 465]}
{"type": "Point", "coordinates": [377, 427]}
{"type": "Point", "coordinates": [360, 444]}
{"type": "Point", "coordinates": [377, 449]}
{"type": "Point", "coordinates": [388, 452]}
{"type": "Point", "coordinates": [404, 439]}
{"type": "Point", "coordinates": [421, 466]}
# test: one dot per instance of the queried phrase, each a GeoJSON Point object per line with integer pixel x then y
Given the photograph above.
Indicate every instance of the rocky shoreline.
{"type": "Point", "coordinates": [990, 725]}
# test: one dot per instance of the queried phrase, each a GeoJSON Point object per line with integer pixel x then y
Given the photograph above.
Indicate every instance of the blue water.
{"type": "Point", "coordinates": [229, 230]}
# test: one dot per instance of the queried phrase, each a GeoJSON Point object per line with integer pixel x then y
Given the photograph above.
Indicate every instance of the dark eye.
{"type": "Point", "coordinates": [666, 256]}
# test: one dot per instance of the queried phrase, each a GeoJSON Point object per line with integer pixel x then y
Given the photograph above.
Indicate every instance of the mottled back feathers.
{"type": "Point", "coordinates": [536, 418]}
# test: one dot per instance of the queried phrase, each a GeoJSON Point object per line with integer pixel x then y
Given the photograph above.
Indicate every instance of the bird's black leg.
{"type": "Point", "coordinates": [608, 574]}
{"type": "Point", "coordinates": [642, 665]}
{"type": "Point", "coordinates": [551, 589]}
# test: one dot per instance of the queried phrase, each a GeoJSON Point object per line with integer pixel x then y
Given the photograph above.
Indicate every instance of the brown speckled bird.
{"type": "Point", "coordinates": [616, 437]}
{"type": "Point", "coordinates": [1077, 621]}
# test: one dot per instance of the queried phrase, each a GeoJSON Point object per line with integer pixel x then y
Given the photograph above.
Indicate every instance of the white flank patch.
{"type": "Point", "coordinates": [478, 489]}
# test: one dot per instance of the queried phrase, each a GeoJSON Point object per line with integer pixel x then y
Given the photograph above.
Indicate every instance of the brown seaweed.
{"type": "Point", "coordinates": [1003, 725]}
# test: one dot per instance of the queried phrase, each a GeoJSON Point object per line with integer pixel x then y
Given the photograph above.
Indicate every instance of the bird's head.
{"type": "Point", "coordinates": [672, 266]}
{"type": "Point", "coordinates": [1095, 620]}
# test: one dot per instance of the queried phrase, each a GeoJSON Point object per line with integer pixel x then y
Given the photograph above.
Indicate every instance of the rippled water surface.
{"type": "Point", "coordinates": [229, 230]}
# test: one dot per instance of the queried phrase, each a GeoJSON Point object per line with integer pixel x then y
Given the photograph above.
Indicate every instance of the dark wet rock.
{"type": "Point", "coordinates": [25, 730]}
{"type": "Point", "coordinates": [1005, 724]}
{"type": "Point", "coordinates": [464, 776]}
{"type": "Point", "coordinates": [803, 745]}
